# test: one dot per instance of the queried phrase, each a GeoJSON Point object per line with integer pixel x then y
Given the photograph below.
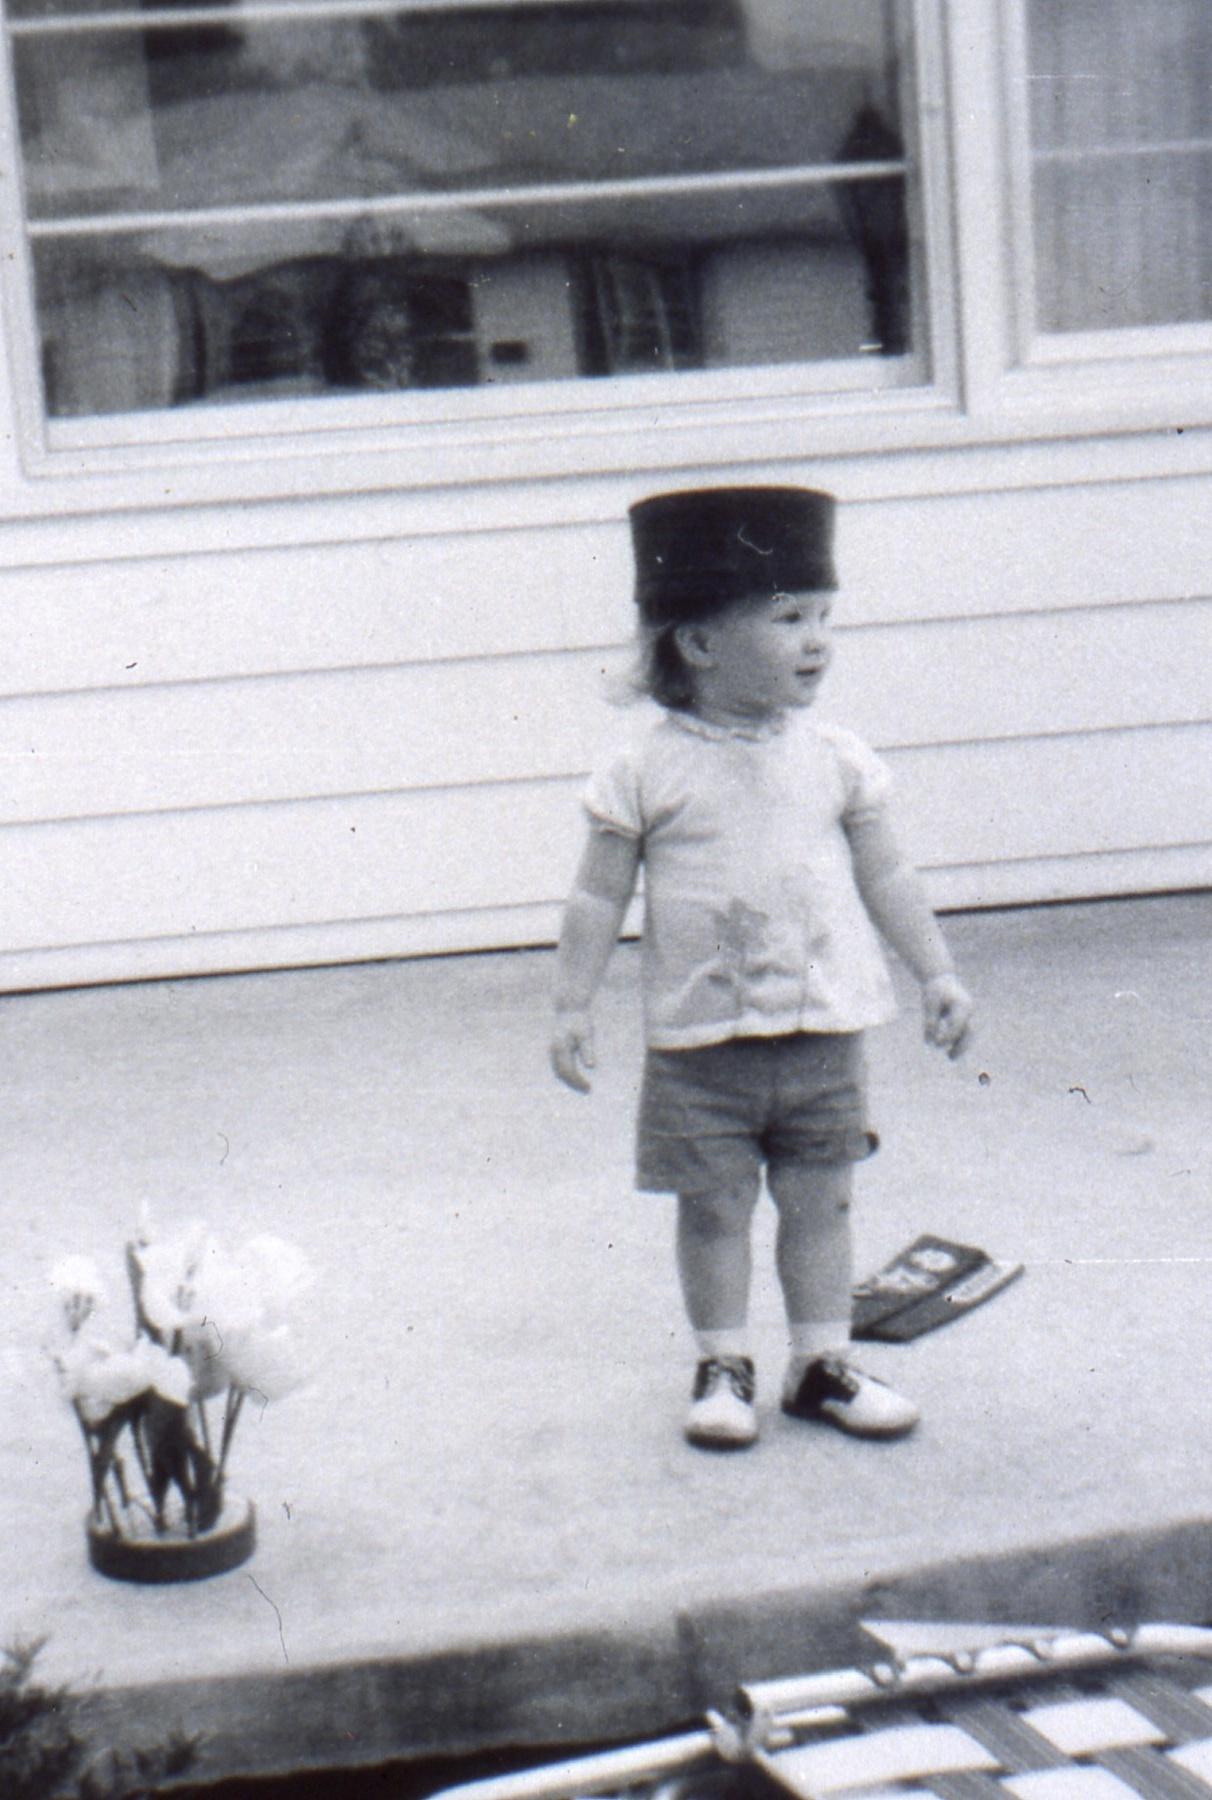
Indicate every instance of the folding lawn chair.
{"type": "Point", "coordinates": [1058, 1716]}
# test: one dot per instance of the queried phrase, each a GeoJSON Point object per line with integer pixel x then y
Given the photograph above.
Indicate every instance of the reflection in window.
{"type": "Point", "coordinates": [1121, 133]}
{"type": "Point", "coordinates": [339, 195]}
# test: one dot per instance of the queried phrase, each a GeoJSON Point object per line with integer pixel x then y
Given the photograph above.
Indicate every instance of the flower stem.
{"type": "Point", "coordinates": [134, 1273]}
{"type": "Point", "coordinates": [203, 1423]}
{"type": "Point", "coordinates": [235, 1400]}
{"type": "Point", "coordinates": [97, 1469]}
{"type": "Point", "coordinates": [140, 1453]}
{"type": "Point", "coordinates": [120, 1478]}
{"type": "Point", "coordinates": [108, 1512]}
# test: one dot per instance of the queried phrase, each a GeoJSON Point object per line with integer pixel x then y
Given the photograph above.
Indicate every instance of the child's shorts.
{"type": "Point", "coordinates": [710, 1119]}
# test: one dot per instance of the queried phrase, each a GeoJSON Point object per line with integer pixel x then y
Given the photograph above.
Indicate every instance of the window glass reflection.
{"type": "Point", "coordinates": [326, 197]}
{"type": "Point", "coordinates": [1121, 132]}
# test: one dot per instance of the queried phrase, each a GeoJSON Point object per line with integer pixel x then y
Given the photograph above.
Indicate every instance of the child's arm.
{"type": "Point", "coordinates": [600, 896]}
{"type": "Point", "coordinates": [893, 893]}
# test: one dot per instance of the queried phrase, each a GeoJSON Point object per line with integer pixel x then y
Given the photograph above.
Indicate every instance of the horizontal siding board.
{"type": "Point", "coordinates": [485, 928]}
{"type": "Point", "coordinates": [528, 717]}
{"type": "Point", "coordinates": [354, 731]}
{"type": "Point", "coordinates": [373, 746]}
{"type": "Point", "coordinates": [963, 680]}
{"type": "Point", "coordinates": [289, 946]}
{"type": "Point", "coordinates": [1100, 875]}
{"type": "Point", "coordinates": [514, 845]}
{"type": "Point", "coordinates": [170, 874]}
{"type": "Point", "coordinates": [1033, 550]}
{"type": "Point", "coordinates": [197, 617]}
{"type": "Point", "coordinates": [1052, 797]}
{"type": "Point", "coordinates": [284, 608]}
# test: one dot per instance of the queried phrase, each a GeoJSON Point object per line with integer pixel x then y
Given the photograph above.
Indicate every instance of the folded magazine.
{"type": "Point", "coordinates": [931, 1282]}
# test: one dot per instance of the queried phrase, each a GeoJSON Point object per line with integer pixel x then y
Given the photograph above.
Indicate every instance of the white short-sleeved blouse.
{"type": "Point", "coordinates": [753, 923]}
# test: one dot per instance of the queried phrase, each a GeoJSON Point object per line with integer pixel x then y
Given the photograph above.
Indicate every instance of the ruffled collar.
{"type": "Point", "coordinates": [757, 731]}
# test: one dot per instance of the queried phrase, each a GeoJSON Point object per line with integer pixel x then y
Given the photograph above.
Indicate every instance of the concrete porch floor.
{"type": "Point", "coordinates": [479, 1525]}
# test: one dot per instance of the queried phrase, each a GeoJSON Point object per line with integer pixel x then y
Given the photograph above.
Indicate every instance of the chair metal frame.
{"type": "Point", "coordinates": [774, 1716]}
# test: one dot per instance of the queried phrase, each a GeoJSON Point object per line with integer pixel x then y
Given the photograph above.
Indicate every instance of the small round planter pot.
{"type": "Point", "coordinates": [168, 1558]}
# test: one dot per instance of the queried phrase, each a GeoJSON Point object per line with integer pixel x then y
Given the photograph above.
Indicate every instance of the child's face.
{"type": "Point", "coordinates": [763, 656]}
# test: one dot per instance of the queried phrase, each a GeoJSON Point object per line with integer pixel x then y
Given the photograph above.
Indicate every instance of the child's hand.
{"type": "Point", "coordinates": [947, 1012]}
{"type": "Point", "coordinates": [572, 1049]}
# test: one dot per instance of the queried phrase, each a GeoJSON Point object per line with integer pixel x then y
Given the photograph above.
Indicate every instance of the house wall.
{"type": "Point", "coordinates": [323, 729]}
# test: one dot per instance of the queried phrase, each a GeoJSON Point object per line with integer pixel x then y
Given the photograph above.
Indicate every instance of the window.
{"type": "Point", "coordinates": [1119, 105]}
{"type": "Point", "coordinates": [272, 198]}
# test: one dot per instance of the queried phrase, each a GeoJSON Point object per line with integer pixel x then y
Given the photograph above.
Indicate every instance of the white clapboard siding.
{"type": "Point", "coordinates": [425, 725]}
{"type": "Point", "coordinates": [1087, 668]}
{"type": "Point", "coordinates": [272, 608]}
{"type": "Point", "coordinates": [459, 723]}
{"type": "Point", "coordinates": [295, 864]}
{"type": "Point", "coordinates": [1018, 800]}
{"type": "Point", "coordinates": [1025, 550]}
{"type": "Point", "coordinates": [277, 753]}
{"type": "Point", "coordinates": [281, 609]}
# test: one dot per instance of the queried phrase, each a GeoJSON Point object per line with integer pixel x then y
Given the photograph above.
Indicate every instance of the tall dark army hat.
{"type": "Point", "coordinates": [700, 550]}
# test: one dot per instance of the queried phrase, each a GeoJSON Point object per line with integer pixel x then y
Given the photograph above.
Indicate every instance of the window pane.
{"type": "Point", "coordinates": [321, 196]}
{"type": "Point", "coordinates": [1121, 133]}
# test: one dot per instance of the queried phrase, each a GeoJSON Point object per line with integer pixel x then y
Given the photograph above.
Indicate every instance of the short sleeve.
{"type": "Point", "coordinates": [866, 778]}
{"type": "Point", "coordinates": [612, 795]}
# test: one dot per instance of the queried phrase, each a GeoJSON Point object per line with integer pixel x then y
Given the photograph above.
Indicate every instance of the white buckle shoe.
{"type": "Point", "coordinates": [833, 1391]}
{"type": "Point", "coordinates": [722, 1414]}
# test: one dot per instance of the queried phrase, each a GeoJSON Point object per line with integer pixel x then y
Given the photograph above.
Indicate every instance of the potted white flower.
{"type": "Point", "coordinates": [158, 1404]}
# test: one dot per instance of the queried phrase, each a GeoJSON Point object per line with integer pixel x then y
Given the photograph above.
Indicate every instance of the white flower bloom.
{"type": "Point", "coordinates": [76, 1273]}
{"type": "Point", "coordinates": [202, 1346]}
{"type": "Point", "coordinates": [169, 1270]}
{"type": "Point", "coordinates": [227, 1293]}
{"type": "Point", "coordinates": [76, 1365]}
{"type": "Point", "coordinates": [100, 1377]}
{"type": "Point", "coordinates": [269, 1362]}
{"type": "Point", "coordinates": [284, 1274]}
{"type": "Point", "coordinates": [77, 1281]}
{"type": "Point", "coordinates": [250, 1288]}
{"type": "Point", "coordinates": [227, 1310]}
{"type": "Point", "coordinates": [168, 1375]}
{"type": "Point", "coordinates": [222, 1316]}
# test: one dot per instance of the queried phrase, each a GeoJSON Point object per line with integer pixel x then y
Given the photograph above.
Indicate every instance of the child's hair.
{"type": "Point", "coordinates": [660, 671]}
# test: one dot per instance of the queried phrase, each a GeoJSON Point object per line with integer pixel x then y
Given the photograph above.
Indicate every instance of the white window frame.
{"type": "Point", "coordinates": [1143, 357]}
{"type": "Point", "coordinates": [991, 379]}
{"type": "Point", "coordinates": [464, 432]}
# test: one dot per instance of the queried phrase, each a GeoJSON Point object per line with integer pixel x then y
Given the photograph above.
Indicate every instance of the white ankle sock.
{"type": "Point", "coordinates": [733, 1340]}
{"type": "Point", "coordinates": [818, 1337]}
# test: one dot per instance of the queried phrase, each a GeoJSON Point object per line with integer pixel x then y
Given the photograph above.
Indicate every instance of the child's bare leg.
{"type": "Point", "coordinates": [714, 1264]}
{"type": "Point", "coordinates": [814, 1265]}
{"type": "Point", "coordinates": [714, 1261]}
{"type": "Point", "coordinates": [812, 1253]}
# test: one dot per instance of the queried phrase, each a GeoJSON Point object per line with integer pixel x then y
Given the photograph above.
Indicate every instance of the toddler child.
{"type": "Point", "coordinates": [769, 865]}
